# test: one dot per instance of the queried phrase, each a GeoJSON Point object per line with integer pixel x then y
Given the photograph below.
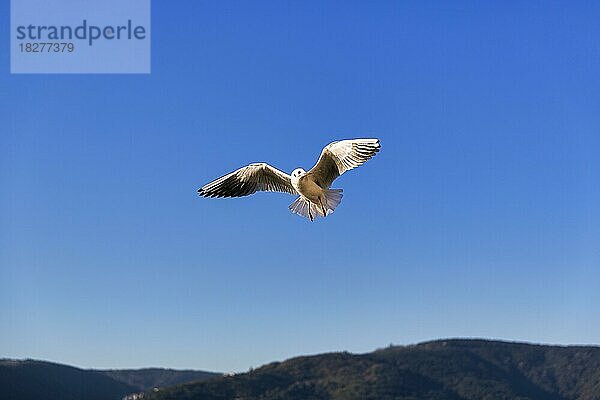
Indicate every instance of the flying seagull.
{"type": "Point", "coordinates": [315, 198]}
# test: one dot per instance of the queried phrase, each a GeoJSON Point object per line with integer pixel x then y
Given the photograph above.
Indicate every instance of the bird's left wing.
{"type": "Point", "coordinates": [339, 157]}
{"type": "Point", "coordinates": [248, 180]}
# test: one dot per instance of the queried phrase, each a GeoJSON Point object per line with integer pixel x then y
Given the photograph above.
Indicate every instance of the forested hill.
{"type": "Point", "coordinates": [41, 380]}
{"type": "Point", "coordinates": [149, 378]}
{"type": "Point", "coordinates": [440, 370]}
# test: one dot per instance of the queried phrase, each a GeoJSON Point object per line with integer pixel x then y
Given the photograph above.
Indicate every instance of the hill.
{"type": "Point", "coordinates": [149, 378]}
{"type": "Point", "coordinates": [41, 380]}
{"type": "Point", "coordinates": [439, 370]}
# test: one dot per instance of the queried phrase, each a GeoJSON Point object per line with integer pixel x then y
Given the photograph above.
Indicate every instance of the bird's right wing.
{"type": "Point", "coordinates": [248, 180]}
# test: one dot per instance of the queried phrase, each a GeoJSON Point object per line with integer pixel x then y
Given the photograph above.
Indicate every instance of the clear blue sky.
{"type": "Point", "coordinates": [479, 217]}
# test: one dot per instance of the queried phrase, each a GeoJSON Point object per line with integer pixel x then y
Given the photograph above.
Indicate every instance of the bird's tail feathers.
{"type": "Point", "coordinates": [333, 197]}
{"type": "Point", "coordinates": [305, 208]}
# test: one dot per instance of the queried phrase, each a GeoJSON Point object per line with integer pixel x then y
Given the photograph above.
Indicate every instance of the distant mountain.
{"type": "Point", "coordinates": [41, 380]}
{"type": "Point", "coordinates": [149, 378]}
{"type": "Point", "coordinates": [440, 370]}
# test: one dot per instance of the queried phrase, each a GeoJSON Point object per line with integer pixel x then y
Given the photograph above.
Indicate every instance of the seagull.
{"type": "Point", "coordinates": [315, 198]}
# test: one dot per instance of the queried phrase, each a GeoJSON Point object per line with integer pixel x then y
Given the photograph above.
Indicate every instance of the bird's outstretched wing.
{"type": "Point", "coordinates": [247, 180]}
{"type": "Point", "coordinates": [339, 157]}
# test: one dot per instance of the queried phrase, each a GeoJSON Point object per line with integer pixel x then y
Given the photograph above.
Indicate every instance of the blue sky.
{"type": "Point", "coordinates": [480, 217]}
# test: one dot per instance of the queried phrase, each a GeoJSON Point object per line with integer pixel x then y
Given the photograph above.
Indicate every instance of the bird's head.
{"type": "Point", "coordinates": [298, 172]}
